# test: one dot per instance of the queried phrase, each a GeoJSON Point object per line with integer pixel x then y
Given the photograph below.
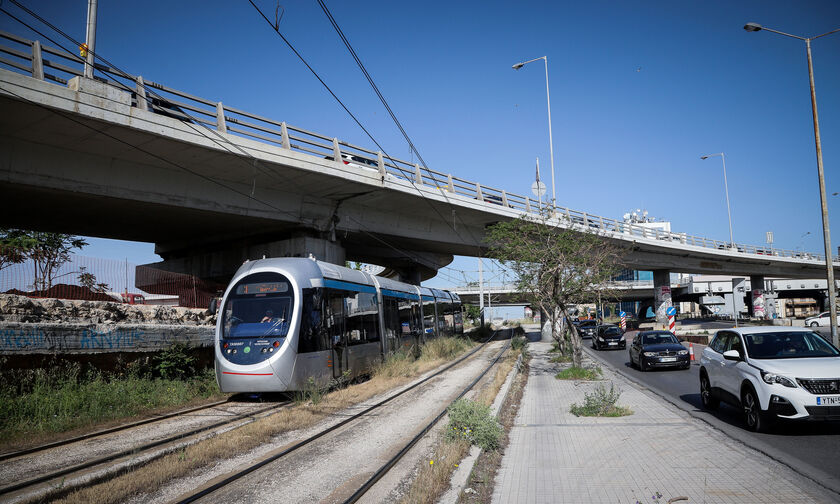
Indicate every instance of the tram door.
{"type": "Point", "coordinates": [335, 329]}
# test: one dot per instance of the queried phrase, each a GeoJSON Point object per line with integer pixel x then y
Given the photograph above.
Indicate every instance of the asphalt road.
{"type": "Point", "coordinates": [812, 448]}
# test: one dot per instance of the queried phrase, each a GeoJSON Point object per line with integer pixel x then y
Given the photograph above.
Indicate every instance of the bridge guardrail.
{"type": "Point", "coordinates": [28, 58]}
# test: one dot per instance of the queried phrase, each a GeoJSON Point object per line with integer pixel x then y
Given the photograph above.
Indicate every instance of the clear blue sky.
{"type": "Point", "coordinates": [639, 90]}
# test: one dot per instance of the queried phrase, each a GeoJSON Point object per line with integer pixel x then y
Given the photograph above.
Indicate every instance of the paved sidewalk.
{"type": "Point", "coordinates": [556, 457]}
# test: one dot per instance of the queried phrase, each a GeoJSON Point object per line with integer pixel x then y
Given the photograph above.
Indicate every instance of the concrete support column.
{"type": "Point", "coordinates": [757, 301]}
{"type": "Point", "coordinates": [662, 294]}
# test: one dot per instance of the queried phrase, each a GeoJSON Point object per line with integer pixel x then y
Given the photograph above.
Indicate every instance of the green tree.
{"type": "Point", "coordinates": [87, 279]}
{"type": "Point", "coordinates": [472, 312]}
{"type": "Point", "coordinates": [48, 252]}
{"type": "Point", "coordinates": [14, 245]}
{"type": "Point", "coordinates": [557, 264]}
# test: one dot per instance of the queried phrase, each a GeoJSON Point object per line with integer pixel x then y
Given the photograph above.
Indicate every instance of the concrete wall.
{"type": "Point", "coordinates": [40, 338]}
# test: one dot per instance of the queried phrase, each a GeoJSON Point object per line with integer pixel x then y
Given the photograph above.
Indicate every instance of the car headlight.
{"type": "Point", "coordinates": [772, 378]}
{"type": "Point", "coordinates": [683, 352]}
{"type": "Point", "coordinates": [650, 354]}
{"type": "Point", "coordinates": [600, 338]}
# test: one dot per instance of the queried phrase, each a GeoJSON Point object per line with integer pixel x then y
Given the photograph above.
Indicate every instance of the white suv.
{"type": "Point", "coordinates": [772, 372]}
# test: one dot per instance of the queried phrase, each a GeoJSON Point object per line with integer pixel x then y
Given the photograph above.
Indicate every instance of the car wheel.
{"type": "Point", "coordinates": [709, 401]}
{"type": "Point", "coordinates": [632, 364]}
{"type": "Point", "coordinates": [815, 324]}
{"type": "Point", "coordinates": [754, 418]}
{"type": "Point", "coordinates": [642, 365]}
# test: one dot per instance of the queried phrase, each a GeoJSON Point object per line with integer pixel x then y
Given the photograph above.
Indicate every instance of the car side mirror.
{"type": "Point", "coordinates": [732, 355]}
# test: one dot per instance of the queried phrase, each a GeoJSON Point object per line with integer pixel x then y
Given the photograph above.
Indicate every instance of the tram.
{"type": "Point", "coordinates": [284, 322]}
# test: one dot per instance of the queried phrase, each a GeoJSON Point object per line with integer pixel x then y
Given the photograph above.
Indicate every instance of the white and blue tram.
{"type": "Point", "coordinates": [283, 321]}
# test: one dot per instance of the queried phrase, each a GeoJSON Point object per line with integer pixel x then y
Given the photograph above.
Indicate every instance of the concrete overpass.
{"type": "Point", "coordinates": [212, 185]}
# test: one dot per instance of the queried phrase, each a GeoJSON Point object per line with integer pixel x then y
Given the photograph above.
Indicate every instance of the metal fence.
{"type": "Point", "coordinates": [97, 279]}
{"type": "Point", "coordinates": [32, 58]}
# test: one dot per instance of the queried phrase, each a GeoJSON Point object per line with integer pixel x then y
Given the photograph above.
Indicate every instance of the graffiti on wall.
{"type": "Point", "coordinates": [23, 338]}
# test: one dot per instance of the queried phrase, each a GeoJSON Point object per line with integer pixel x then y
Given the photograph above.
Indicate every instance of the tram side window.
{"type": "Point", "coordinates": [441, 320]}
{"type": "Point", "coordinates": [459, 319]}
{"type": "Point", "coordinates": [313, 337]}
{"type": "Point", "coordinates": [429, 324]}
{"type": "Point", "coordinates": [334, 309]}
{"type": "Point", "coordinates": [407, 321]}
{"type": "Point", "coordinates": [391, 314]}
{"type": "Point", "coordinates": [449, 316]}
{"type": "Point", "coordinates": [362, 311]}
{"type": "Point", "coordinates": [415, 316]}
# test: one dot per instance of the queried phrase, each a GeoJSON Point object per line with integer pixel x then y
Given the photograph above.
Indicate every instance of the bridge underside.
{"type": "Point", "coordinates": [84, 161]}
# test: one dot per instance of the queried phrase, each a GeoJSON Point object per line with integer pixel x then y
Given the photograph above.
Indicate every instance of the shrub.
{"type": "Point", "coordinates": [472, 421]}
{"type": "Point", "coordinates": [518, 342]}
{"type": "Point", "coordinates": [481, 333]}
{"type": "Point", "coordinates": [601, 402]}
{"type": "Point", "coordinates": [176, 362]}
{"type": "Point", "coordinates": [400, 364]}
{"type": "Point", "coordinates": [578, 373]}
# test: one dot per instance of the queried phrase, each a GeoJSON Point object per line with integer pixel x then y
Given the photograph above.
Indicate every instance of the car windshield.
{"type": "Point", "coordinates": [658, 339]}
{"type": "Point", "coordinates": [587, 323]}
{"type": "Point", "coordinates": [611, 331]}
{"type": "Point", "coordinates": [788, 345]}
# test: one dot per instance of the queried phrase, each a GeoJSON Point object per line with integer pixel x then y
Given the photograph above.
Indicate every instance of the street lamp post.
{"type": "Point", "coordinates": [832, 299]}
{"type": "Point", "coordinates": [550, 140]}
{"type": "Point", "coordinates": [726, 189]}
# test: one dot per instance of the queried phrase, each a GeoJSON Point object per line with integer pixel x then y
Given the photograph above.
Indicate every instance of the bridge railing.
{"type": "Point", "coordinates": [59, 65]}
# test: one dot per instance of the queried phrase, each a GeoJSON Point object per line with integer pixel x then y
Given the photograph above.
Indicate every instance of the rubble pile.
{"type": "Point", "coordinates": [14, 308]}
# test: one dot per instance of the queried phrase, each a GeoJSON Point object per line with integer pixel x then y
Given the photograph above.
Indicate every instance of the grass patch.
{"type": "Point", "coordinates": [444, 348]}
{"type": "Point", "coordinates": [37, 403]}
{"type": "Point", "coordinates": [304, 414]}
{"type": "Point", "coordinates": [472, 422]}
{"type": "Point", "coordinates": [433, 479]}
{"type": "Point", "coordinates": [578, 373]}
{"type": "Point", "coordinates": [601, 402]}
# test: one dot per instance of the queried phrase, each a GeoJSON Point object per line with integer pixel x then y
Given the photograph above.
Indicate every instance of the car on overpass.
{"type": "Point", "coordinates": [771, 373]}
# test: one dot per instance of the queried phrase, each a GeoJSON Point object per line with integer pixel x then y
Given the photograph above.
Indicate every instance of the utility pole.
{"type": "Point", "coordinates": [481, 291]}
{"type": "Point", "coordinates": [90, 39]}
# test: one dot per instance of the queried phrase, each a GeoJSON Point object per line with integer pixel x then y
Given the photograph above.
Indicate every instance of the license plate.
{"type": "Point", "coordinates": [668, 359]}
{"type": "Point", "coordinates": [613, 343]}
{"type": "Point", "coordinates": [828, 400]}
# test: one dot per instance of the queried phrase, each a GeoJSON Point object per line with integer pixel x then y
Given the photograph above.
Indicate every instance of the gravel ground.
{"type": "Point", "coordinates": [332, 468]}
{"type": "Point", "coordinates": [40, 463]}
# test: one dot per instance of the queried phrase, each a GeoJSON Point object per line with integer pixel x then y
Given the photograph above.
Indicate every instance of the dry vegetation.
{"type": "Point", "coordinates": [433, 475]}
{"type": "Point", "coordinates": [393, 373]}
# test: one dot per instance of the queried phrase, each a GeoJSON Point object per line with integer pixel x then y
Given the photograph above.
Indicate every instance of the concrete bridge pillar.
{"type": "Point", "coordinates": [757, 301]}
{"type": "Point", "coordinates": [662, 294]}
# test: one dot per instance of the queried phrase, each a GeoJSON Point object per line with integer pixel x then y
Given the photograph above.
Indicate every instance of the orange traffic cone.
{"type": "Point", "coordinates": [691, 351]}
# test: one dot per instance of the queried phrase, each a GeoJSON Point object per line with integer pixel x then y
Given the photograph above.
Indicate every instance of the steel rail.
{"type": "Point", "coordinates": [132, 451]}
{"type": "Point", "coordinates": [382, 471]}
{"type": "Point", "coordinates": [47, 446]}
{"type": "Point", "coordinates": [300, 444]}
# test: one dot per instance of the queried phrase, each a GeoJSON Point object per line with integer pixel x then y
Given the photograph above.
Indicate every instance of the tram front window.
{"type": "Point", "coordinates": [258, 308]}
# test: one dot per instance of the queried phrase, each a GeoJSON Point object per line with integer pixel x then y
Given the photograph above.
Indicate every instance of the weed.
{"type": "Point", "coordinates": [601, 402]}
{"type": "Point", "coordinates": [312, 392]}
{"type": "Point", "coordinates": [578, 373]}
{"type": "Point", "coordinates": [444, 348]}
{"type": "Point", "coordinates": [518, 342]}
{"type": "Point", "coordinates": [175, 362]}
{"type": "Point", "coordinates": [399, 364]}
{"type": "Point", "coordinates": [472, 421]}
{"type": "Point", "coordinates": [561, 359]}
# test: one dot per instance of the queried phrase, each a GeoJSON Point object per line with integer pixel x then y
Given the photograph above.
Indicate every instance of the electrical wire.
{"type": "Point", "coordinates": [370, 136]}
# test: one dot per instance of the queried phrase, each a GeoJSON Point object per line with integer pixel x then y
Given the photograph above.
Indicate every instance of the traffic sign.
{"type": "Point", "coordinates": [622, 314]}
{"type": "Point", "coordinates": [671, 311]}
{"type": "Point", "coordinates": [538, 188]}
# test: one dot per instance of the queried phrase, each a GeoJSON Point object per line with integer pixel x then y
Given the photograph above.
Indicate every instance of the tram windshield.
{"type": "Point", "coordinates": [258, 308]}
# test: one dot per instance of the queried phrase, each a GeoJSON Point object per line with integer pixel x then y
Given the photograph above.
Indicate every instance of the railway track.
{"type": "Point", "coordinates": [101, 468]}
{"type": "Point", "coordinates": [224, 481]}
{"type": "Point", "coordinates": [110, 430]}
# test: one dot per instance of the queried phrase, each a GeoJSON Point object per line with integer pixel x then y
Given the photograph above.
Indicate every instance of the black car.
{"type": "Point", "coordinates": [587, 328]}
{"type": "Point", "coordinates": [653, 349]}
{"type": "Point", "coordinates": [608, 336]}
